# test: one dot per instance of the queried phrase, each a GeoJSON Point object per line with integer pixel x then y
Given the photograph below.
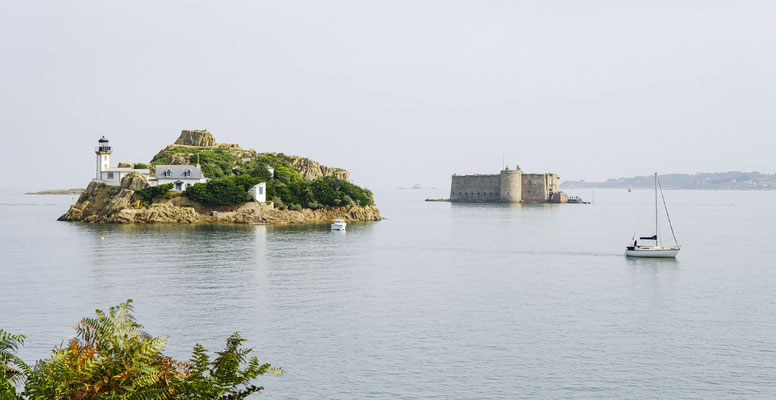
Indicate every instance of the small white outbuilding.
{"type": "Point", "coordinates": [259, 192]}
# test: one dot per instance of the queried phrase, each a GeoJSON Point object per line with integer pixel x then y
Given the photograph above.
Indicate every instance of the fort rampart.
{"type": "Point", "coordinates": [509, 186]}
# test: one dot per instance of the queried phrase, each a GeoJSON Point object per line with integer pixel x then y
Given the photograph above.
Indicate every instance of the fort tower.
{"type": "Point", "coordinates": [510, 190]}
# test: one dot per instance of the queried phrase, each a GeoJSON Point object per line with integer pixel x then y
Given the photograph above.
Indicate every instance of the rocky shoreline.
{"type": "Point", "coordinates": [121, 205]}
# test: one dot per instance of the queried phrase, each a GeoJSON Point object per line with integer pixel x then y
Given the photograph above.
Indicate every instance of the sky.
{"type": "Point", "coordinates": [397, 92]}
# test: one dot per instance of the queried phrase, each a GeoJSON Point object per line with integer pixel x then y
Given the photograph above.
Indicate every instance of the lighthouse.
{"type": "Point", "coordinates": [103, 156]}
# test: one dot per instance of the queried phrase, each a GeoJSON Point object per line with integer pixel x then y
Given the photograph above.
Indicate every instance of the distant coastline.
{"type": "Point", "coordinates": [731, 180]}
{"type": "Point", "coordinates": [417, 186]}
{"type": "Point", "coordinates": [59, 191]}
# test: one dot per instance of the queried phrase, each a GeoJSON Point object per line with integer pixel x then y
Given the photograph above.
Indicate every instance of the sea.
{"type": "Point", "coordinates": [437, 301]}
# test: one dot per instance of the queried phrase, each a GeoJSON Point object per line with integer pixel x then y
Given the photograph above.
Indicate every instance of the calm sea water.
{"type": "Point", "coordinates": [442, 301]}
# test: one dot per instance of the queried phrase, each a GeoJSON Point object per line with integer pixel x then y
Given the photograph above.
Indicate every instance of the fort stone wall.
{"type": "Point", "coordinates": [539, 188]}
{"type": "Point", "coordinates": [509, 186]}
{"type": "Point", "coordinates": [475, 188]}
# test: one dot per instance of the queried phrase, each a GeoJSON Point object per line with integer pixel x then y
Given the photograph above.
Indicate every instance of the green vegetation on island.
{"type": "Point", "coordinates": [233, 171]}
{"type": "Point", "coordinates": [112, 357]}
{"type": "Point", "coordinates": [223, 191]}
{"type": "Point", "coordinates": [288, 189]}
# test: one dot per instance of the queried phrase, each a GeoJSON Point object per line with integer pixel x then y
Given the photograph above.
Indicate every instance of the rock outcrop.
{"type": "Point", "coordinates": [351, 213]}
{"type": "Point", "coordinates": [99, 203]}
{"type": "Point", "coordinates": [311, 170]}
{"type": "Point", "coordinates": [196, 138]}
{"type": "Point", "coordinates": [134, 181]}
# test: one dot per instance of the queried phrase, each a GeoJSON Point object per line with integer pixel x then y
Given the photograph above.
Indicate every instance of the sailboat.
{"type": "Point", "coordinates": [656, 250]}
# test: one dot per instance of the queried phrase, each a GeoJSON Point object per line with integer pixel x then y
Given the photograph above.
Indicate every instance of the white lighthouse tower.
{"type": "Point", "coordinates": [103, 156]}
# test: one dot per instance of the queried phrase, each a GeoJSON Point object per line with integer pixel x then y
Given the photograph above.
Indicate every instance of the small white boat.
{"type": "Point", "coordinates": [656, 250]}
{"type": "Point", "coordinates": [338, 225]}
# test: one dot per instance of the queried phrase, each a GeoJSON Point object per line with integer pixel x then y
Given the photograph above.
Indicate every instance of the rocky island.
{"type": "Point", "coordinates": [197, 180]}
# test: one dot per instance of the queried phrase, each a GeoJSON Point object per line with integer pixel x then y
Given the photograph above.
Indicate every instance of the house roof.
{"type": "Point", "coordinates": [178, 171]}
{"type": "Point", "coordinates": [142, 171]}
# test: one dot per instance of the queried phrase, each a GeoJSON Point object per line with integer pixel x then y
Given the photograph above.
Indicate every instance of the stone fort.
{"type": "Point", "coordinates": [509, 186]}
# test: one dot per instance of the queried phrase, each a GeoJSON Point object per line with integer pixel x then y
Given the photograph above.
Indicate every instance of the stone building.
{"type": "Point", "coordinates": [509, 186]}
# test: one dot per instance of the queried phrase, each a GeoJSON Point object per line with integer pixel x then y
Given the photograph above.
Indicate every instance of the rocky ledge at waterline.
{"type": "Point", "coordinates": [101, 203]}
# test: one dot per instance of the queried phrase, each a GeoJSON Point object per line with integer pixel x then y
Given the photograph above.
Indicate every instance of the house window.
{"type": "Point", "coordinates": [110, 175]}
{"type": "Point", "coordinates": [168, 172]}
{"type": "Point", "coordinates": [261, 190]}
{"type": "Point", "coordinates": [188, 172]}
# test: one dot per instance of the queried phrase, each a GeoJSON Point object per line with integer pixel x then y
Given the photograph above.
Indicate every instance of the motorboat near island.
{"type": "Point", "coordinates": [656, 250]}
{"type": "Point", "coordinates": [339, 225]}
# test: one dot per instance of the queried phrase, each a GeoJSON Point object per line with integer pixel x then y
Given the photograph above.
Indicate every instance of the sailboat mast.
{"type": "Point", "coordinates": [657, 243]}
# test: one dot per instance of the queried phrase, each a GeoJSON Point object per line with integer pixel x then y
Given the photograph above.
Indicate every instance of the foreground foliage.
{"type": "Point", "coordinates": [112, 357]}
{"type": "Point", "coordinates": [12, 368]}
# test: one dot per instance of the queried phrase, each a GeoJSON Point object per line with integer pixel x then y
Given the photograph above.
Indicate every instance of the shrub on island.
{"type": "Point", "coordinates": [224, 191]}
{"type": "Point", "coordinates": [321, 192]}
{"type": "Point", "coordinates": [155, 192]}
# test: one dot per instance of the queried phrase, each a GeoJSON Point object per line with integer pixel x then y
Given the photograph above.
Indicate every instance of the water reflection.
{"type": "Point", "coordinates": [541, 294]}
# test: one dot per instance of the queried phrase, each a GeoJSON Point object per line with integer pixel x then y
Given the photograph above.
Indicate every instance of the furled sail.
{"type": "Point", "coordinates": [653, 237]}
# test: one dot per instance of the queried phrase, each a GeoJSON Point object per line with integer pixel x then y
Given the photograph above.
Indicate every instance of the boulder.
{"type": "Point", "coordinates": [134, 181]}
{"type": "Point", "coordinates": [126, 165]}
{"type": "Point", "coordinates": [196, 138]}
{"type": "Point", "coordinates": [311, 170]}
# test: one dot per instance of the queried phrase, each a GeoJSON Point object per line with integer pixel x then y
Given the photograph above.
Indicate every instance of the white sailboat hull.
{"type": "Point", "coordinates": [652, 252]}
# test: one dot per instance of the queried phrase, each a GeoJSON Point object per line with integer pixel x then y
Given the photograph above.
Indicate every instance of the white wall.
{"type": "Point", "coordinates": [259, 192]}
{"type": "Point", "coordinates": [186, 181]}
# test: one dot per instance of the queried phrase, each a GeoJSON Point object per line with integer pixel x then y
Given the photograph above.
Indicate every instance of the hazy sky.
{"type": "Point", "coordinates": [397, 92]}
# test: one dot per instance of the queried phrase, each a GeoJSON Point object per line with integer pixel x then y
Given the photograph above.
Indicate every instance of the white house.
{"type": "Point", "coordinates": [181, 176]}
{"type": "Point", "coordinates": [259, 192]}
{"type": "Point", "coordinates": [106, 174]}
